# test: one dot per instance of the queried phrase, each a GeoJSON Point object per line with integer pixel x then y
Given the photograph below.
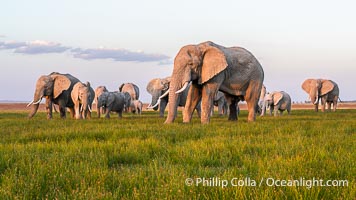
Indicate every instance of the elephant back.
{"type": "Point", "coordinates": [132, 89]}
{"type": "Point", "coordinates": [63, 86]}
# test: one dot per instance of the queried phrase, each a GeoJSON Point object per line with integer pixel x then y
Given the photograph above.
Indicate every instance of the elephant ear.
{"type": "Point", "coordinates": [165, 82]}
{"type": "Point", "coordinates": [75, 92]}
{"type": "Point", "coordinates": [277, 96]}
{"type": "Point", "coordinates": [214, 62]}
{"type": "Point", "coordinates": [61, 83]}
{"type": "Point", "coordinates": [137, 91]}
{"type": "Point", "coordinates": [306, 85]}
{"type": "Point", "coordinates": [326, 87]}
{"type": "Point", "coordinates": [151, 85]}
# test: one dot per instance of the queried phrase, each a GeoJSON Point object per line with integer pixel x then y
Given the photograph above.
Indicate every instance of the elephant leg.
{"type": "Point", "coordinates": [120, 114]}
{"type": "Point", "coordinates": [232, 103]}
{"type": "Point", "coordinates": [252, 96]}
{"type": "Point", "coordinates": [316, 106]}
{"type": "Point", "coordinates": [335, 103]}
{"type": "Point", "coordinates": [98, 110]}
{"type": "Point", "coordinates": [62, 112]}
{"type": "Point", "coordinates": [62, 108]}
{"type": "Point", "coordinates": [89, 112]}
{"type": "Point", "coordinates": [328, 106]}
{"type": "Point", "coordinates": [191, 103]}
{"type": "Point", "coordinates": [198, 109]}
{"type": "Point", "coordinates": [162, 107]}
{"type": "Point", "coordinates": [276, 111]}
{"type": "Point", "coordinates": [107, 114]}
{"type": "Point", "coordinates": [288, 110]}
{"type": "Point", "coordinates": [225, 108]}
{"type": "Point", "coordinates": [208, 93]}
{"type": "Point", "coordinates": [280, 113]}
{"type": "Point", "coordinates": [220, 108]}
{"type": "Point", "coordinates": [323, 106]}
{"type": "Point", "coordinates": [77, 111]}
{"type": "Point", "coordinates": [49, 105]}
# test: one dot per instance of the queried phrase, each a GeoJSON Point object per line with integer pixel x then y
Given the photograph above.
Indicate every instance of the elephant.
{"type": "Point", "coordinates": [136, 107]}
{"type": "Point", "coordinates": [326, 90]}
{"type": "Point", "coordinates": [211, 67]}
{"type": "Point", "coordinates": [112, 101]}
{"type": "Point", "coordinates": [221, 103]}
{"type": "Point", "coordinates": [56, 88]}
{"type": "Point", "coordinates": [82, 97]}
{"type": "Point", "coordinates": [132, 89]}
{"type": "Point", "coordinates": [277, 101]}
{"type": "Point", "coordinates": [98, 91]}
{"type": "Point", "coordinates": [159, 89]}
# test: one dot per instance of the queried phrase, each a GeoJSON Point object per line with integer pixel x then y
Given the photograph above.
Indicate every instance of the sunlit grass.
{"type": "Point", "coordinates": [138, 157]}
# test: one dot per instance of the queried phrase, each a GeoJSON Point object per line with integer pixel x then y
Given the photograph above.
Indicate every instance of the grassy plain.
{"type": "Point", "coordinates": [138, 157]}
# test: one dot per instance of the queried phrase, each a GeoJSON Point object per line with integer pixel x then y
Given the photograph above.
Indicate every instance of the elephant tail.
{"type": "Point", "coordinates": [339, 99]}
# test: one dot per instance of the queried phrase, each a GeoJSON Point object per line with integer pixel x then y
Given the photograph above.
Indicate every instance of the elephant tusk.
{"type": "Point", "coordinates": [183, 88]}
{"type": "Point", "coordinates": [158, 102]}
{"type": "Point", "coordinates": [81, 108]}
{"type": "Point", "coordinates": [149, 106]}
{"type": "Point", "coordinates": [29, 103]}
{"type": "Point", "coordinates": [316, 101]}
{"type": "Point", "coordinates": [89, 108]}
{"type": "Point", "coordinates": [165, 94]}
{"type": "Point", "coordinates": [37, 102]}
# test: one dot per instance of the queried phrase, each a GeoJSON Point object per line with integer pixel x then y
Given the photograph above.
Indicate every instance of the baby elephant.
{"type": "Point", "coordinates": [136, 106]}
{"type": "Point", "coordinates": [112, 101]}
{"type": "Point", "coordinates": [279, 100]}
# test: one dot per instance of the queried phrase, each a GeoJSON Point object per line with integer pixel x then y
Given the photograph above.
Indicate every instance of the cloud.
{"type": "Point", "coordinates": [2, 36]}
{"type": "Point", "coordinates": [44, 47]}
{"type": "Point", "coordinates": [34, 47]}
{"type": "Point", "coordinates": [41, 47]}
{"type": "Point", "coordinates": [117, 55]}
{"type": "Point", "coordinates": [11, 45]}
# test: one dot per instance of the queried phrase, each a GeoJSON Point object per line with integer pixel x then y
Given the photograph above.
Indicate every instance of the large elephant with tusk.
{"type": "Point", "coordinates": [159, 89]}
{"type": "Point", "coordinates": [56, 88]}
{"type": "Point", "coordinates": [325, 90]}
{"type": "Point", "coordinates": [212, 68]}
{"type": "Point", "coordinates": [82, 97]}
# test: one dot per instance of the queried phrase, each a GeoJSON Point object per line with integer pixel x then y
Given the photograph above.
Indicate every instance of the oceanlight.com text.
{"type": "Point", "coordinates": [270, 182]}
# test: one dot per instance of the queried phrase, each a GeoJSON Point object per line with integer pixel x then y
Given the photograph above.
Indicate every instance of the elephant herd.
{"type": "Point", "coordinates": [67, 91]}
{"type": "Point", "coordinates": [204, 75]}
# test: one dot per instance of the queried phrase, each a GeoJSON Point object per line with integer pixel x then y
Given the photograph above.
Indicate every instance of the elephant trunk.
{"type": "Point", "coordinates": [314, 98]}
{"type": "Point", "coordinates": [84, 108]}
{"type": "Point", "coordinates": [180, 77]}
{"type": "Point", "coordinates": [34, 110]}
{"type": "Point", "coordinates": [264, 107]}
{"type": "Point", "coordinates": [35, 102]}
{"type": "Point", "coordinates": [173, 104]}
{"type": "Point", "coordinates": [155, 98]}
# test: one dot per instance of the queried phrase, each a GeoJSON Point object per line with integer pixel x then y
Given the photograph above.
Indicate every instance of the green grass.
{"type": "Point", "coordinates": [138, 157]}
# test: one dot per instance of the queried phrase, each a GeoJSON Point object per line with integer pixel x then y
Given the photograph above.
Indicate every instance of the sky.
{"type": "Point", "coordinates": [110, 42]}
